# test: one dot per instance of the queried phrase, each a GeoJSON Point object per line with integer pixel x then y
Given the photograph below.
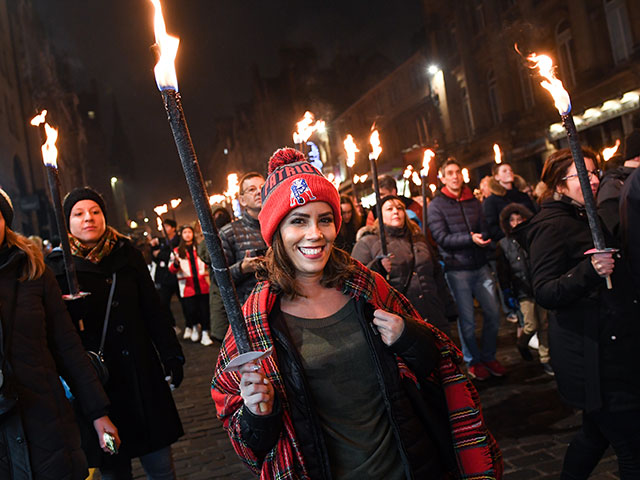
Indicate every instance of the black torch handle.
{"type": "Point", "coordinates": [585, 185]}
{"type": "Point", "coordinates": [423, 191]}
{"type": "Point", "coordinates": [182, 137]}
{"type": "Point", "coordinates": [69, 266]}
{"type": "Point", "coordinates": [376, 189]}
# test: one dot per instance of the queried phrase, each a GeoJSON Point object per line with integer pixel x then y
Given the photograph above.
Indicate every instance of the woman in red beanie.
{"type": "Point", "coordinates": [359, 386]}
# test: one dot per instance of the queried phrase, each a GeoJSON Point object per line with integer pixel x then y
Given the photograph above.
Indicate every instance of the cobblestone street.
{"type": "Point", "coordinates": [522, 409]}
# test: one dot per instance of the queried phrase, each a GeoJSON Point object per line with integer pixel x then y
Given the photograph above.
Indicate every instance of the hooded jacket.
{"type": "Point", "coordinates": [512, 260]}
{"type": "Point", "coordinates": [494, 204]}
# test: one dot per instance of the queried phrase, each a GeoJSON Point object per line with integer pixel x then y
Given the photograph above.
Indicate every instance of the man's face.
{"type": "Point", "coordinates": [171, 231]}
{"type": "Point", "coordinates": [249, 197]}
{"type": "Point", "coordinates": [452, 178]}
{"type": "Point", "coordinates": [385, 191]}
{"type": "Point", "coordinates": [504, 174]}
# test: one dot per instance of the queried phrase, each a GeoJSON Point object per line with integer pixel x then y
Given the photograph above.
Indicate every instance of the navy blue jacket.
{"type": "Point", "coordinates": [451, 221]}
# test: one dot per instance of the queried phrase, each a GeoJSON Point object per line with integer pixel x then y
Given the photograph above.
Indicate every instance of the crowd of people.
{"type": "Point", "coordinates": [375, 344]}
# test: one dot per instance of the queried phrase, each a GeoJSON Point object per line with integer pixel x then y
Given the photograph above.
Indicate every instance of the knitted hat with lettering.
{"type": "Point", "coordinates": [293, 182]}
{"type": "Point", "coordinates": [6, 208]}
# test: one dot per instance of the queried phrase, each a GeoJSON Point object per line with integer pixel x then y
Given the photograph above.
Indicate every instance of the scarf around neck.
{"type": "Point", "coordinates": [98, 252]}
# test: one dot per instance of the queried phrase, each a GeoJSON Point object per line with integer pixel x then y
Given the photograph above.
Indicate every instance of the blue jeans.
{"type": "Point", "coordinates": [481, 284]}
{"type": "Point", "coordinates": [157, 465]}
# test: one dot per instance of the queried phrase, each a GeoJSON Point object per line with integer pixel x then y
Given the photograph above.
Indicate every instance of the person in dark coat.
{"type": "Point", "coordinates": [412, 268]}
{"type": "Point", "coordinates": [594, 332]}
{"type": "Point", "coordinates": [39, 438]}
{"type": "Point", "coordinates": [141, 347]}
{"type": "Point", "coordinates": [630, 223]}
{"type": "Point", "coordinates": [503, 192]}
{"type": "Point", "coordinates": [351, 223]}
{"type": "Point", "coordinates": [165, 281]}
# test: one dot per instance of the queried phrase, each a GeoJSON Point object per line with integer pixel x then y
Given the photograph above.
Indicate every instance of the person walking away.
{"type": "Point", "coordinates": [593, 331]}
{"type": "Point", "coordinates": [514, 276]}
{"type": "Point", "coordinates": [140, 346]}
{"type": "Point", "coordinates": [39, 438]}
{"type": "Point", "coordinates": [241, 240]}
{"type": "Point", "coordinates": [193, 285]}
{"type": "Point", "coordinates": [339, 398]}
{"type": "Point", "coordinates": [411, 267]}
{"type": "Point", "coordinates": [457, 225]}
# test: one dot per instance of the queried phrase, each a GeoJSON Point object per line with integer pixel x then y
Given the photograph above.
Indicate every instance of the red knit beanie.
{"type": "Point", "coordinates": [293, 182]}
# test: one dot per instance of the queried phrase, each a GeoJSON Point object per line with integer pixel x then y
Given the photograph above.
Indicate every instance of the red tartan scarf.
{"type": "Point", "coordinates": [477, 452]}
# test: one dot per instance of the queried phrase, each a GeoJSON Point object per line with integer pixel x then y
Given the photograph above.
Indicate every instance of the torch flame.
{"type": "Point", "coordinates": [49, 150]}
{"type": "Point", "coordinates": [161, 209]}
{"type": "Point", "coordinates": [374, 140]}
{"type": "Point", "coordinates": [416, 178]}
{"type": "Point", "coordinates": [39, 119]}
{"type": "Point", "coordinates": [175, 202]}
{"type": "Point", "coordinates": [609, 152]}
{"type": "Point", "coordinates": [216, 198]}
{"type": "Point", "coordinates": [497, 153]}
{"type": "Point", "coordinates": [426, 159]}
{"type": "Point", "coordinates": [158, 223]}
{"type": "Point", "coordinates": [351, 148]}
{"type": "Point", "coordinates": [232, 185]}
{"type": "Point", "coordinates": [407, 171]}
{"type": "Point", "coordinates": [306, 127]}
{"type": "Point", "coordinates": [465, 175]}
{"type": "Point", "coordinates": [433, 188]}
{"type": "Point", "coordinates": [165, 69]}
{"type": "Point", "coordinates": [551, 83]}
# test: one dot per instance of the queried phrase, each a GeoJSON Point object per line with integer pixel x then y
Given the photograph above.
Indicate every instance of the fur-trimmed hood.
{"type": "Point", "coordinates": [510, 209]}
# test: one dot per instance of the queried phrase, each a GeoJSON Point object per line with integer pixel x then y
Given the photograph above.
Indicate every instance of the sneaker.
{"type": "Point", "coordinates": [479, 372]}
{"type": "Point", "coordinates": [195, 335]}
{"type": "Point", "coordinates": [206, 340]}
{"type": "Point", "coordinates": [495, 368]}
{"type": "Point", "coordinates": [548, 369]}
{"type": "Point", "coordinates": [533, 343]}
{"type": "Point", "coordinates": [187, 333]}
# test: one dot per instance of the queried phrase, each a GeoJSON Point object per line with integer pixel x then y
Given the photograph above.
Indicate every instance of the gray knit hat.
{"type": "Point", "coordinates": [6, 208]}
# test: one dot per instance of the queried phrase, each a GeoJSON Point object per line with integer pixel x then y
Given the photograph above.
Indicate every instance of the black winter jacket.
{"type": "Point", "coordinates": [418, 417]}
{"type": "Point", "coordinates": [609, 197]}
{"type": "Point", "coordinates": [494, 204]}
{"type": "Point", "coordinates": [593, 332]}
{"type": "Point", "coordinates": [630, 223]}
{"type": "Point", "coordinates": [163, 277]}
{"type": "Point", "coordinates": [451, 222]}
{"type": "Point", "coordinates": [415, 272]}
{"type": "Point", "coordinates": [41, 435]}
{"type": "Point", "coordinates": [139, 338]}
{"type": "Point", "coordinates": [238, 237]}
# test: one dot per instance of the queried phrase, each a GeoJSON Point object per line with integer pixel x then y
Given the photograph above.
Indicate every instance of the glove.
{"type": "Point", "coordinates": [173, 369]}
{"type": "Point", "coordinates": [510, 300]}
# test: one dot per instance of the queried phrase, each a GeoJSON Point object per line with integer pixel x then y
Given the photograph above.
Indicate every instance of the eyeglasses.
{"type": "Point", "coordinates": [251, 190]}
{"type": "Point", "coordinates": [593, 173]}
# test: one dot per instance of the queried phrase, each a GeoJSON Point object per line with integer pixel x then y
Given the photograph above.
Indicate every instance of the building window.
{"type": "Point", "coordinates": [564, 42]}
{"type": "Point", "coordinates": [619, 30]}
{"type": "Point", "coordinates": [526, 87]}
{"type": "Point", "coordinates": [467, 113]}
{"type": "Point", "coordinates": [493, 97]}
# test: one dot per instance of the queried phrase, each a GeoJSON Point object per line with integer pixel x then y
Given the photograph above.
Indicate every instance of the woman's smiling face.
{"type": "Point", "coordinates": [308, 233]}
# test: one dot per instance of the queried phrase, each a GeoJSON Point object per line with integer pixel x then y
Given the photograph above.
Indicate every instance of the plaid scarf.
{"type": "Point", "coordinates": [97, 253]}
{"type": "Point", "coordinates": [477, 452]}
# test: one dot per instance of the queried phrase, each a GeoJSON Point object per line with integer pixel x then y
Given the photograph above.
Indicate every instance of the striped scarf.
{"type": "Point", "coordinates": [477, 452]}
{"type": "Point", "coordinates": [97, 253]}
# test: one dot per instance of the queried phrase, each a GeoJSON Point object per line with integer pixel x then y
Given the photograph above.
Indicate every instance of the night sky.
{"type": "Point", "coordinates": [219, 42]}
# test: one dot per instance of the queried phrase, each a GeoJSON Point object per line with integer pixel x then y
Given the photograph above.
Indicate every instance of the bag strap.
{"type": "Point", "coordinates": [106, 316]}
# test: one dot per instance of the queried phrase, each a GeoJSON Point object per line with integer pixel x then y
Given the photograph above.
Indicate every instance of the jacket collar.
{"type": "Point", "coordinates": [465, 194]}
{"type": "Point", "coordinates": [251, 222]}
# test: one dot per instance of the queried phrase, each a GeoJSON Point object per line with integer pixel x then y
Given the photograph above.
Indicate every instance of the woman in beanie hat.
{"type": "Point", "coordinates": [412, 268]}
{"type": "Point", "coordinates": [140, 345]}
{"type": "Point", "coordinates": [35, 329]}
{"type": "Point", "coordinates": [339, 397]}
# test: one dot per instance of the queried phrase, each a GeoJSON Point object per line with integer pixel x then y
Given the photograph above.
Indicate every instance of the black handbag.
{"type": "Point", "coordinates": [97, 358]}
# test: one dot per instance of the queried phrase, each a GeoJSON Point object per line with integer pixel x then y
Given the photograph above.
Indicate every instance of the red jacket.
{"type": "Point", "coordinates": [181, 267]}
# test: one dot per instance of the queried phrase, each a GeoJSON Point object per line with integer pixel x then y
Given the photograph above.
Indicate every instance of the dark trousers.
{"type": "Point", "coordinates": [621, 430]}
{"type": "Point", "coordinates": [196, 311]}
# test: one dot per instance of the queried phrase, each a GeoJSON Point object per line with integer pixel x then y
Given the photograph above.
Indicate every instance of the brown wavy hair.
{"type": "Point", "coordinates": [34, 267]}
{"type": "Point", "coordinates": [278, 269]}
{"type": "Point", "coordinates": [556, 167]}
{"type": "Point", "coordinates": [412, 227]}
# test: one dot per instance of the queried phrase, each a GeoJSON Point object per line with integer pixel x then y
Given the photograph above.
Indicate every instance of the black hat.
{"type": "Point", "coordinates": [632, 145]}
{"type": "Point", "coordinates": [78, 194]}
{"type": "Point", "coordinates": [6, 208]}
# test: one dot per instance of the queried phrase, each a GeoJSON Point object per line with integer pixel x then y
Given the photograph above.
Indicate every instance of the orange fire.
{"type": "Point", "coordinates": [416, 178]}
{"type": "Point", "coordinates": [609, 152]}
{"type": "Point", "coordinates": [232, 185]}
{"type": "Point", "coordinates": [374, 140]}
{"type": "Point", "coordinates": [433, 188]}
{"type": "Point", "coordinates": [407, 171]}
{"type": "Point", "coordinates": [158, 223]}
{"type": "Point", "coordinates": [161, 209]}
{"type": "Point", "coordinates": [175, 202]}
{"type": "Point", "coordinates": [426, 160]}
{"type": "Point", "coordinates": [165, 69]}
{"type": "Point", "coordinates": [351, 148]}
{"type": "Point", "coordinates": [39, 119]}
{"type": "Point", "coordinates": [497, 153]}
{"type": "Point", "coordinates": [49, 150]}
{"type": "Point", "coordinates": [306, 127]}
{"type": "Point", "coordinates": [551, 83]}
{"type": "Point", "coordinates": [465, 175]}
{"type": "Point", "coordinates": [216, 198]}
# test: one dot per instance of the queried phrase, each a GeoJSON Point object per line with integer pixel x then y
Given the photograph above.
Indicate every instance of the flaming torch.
{"type": "Point", "coordinates": [374, 140]}
{"type": "Point", "coordinates": [166, 79]}
{"type": "Point", "coordinates": [305, 129]}
{"type": "Point", "coordinates": [424, 173]}
{"type": "Point", "coordinates": [497, 153]}
{"type": "Point", "coordinates": [562, 101]}
{"type": "Point", "coordinates": [609, 152]}
{"type": "Point", "coordinates": [351, 148]}
{"type": "Point", "coordinates": [159, 211]}
{"type": "Point", "coordinates": [50, 159]}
